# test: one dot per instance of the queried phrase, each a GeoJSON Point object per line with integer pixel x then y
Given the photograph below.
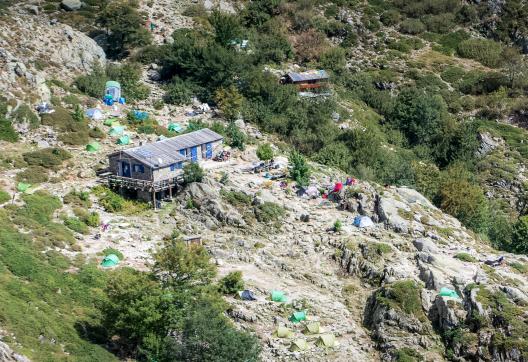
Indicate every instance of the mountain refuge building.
{"type": "Point", "coordinates": [154, 170]}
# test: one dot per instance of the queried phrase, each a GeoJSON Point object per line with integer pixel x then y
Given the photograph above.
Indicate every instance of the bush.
{"type": "Point", "coordinates": [237, 138]}
{"type": "Point", "coordinates": [231, 283]}
{"type": "Point", "coordinates": [236, 198]}
{"type": "Point", "coordinates": [7, 132]}
{"type": "Point", "coordinates": [76, 225]}
{"type": "Point", "coordinates": [24, 114]}
{"type": "Point", "coordinates": [390, 17]}
{"type": "Point", "coordinates": [520, 236]}
{"type": "Point", "coordinates": [50, 158]}
{"type": "Point", "coordinates": [298, 168]}
{"type": "Point", "coordinates": [264, 152]}
{"type": "Point", "coordinates": [192, 172]}
{"type": "Point", "coordinates": [4, 196]}
{"type": "Point", "coordinates": [76, 198]}
{"type": "Point", "coordinates": [178, 92]}
{"type": "Point", "coordinates": [488, 52]}
{"type": "Point", "coordinates": [108, 251]}
{"type": "Point", "coordinates": [465, 257]}
{"type": "Point", "coordinates": [338, 225]}
{"type": "Point", "coordinates": [268, 212]}
{"type": "Point", "coordinates": [452, 74]}
{"type": "Point", "coordinates": [412, 26]}
{"type": "Point", "coordinates": [403, 295]}
{"type": "Point", "coordinates": [33, 175]}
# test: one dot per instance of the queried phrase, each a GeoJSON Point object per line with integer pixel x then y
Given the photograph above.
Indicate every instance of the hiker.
{"type": "Point", "coordinates": [105, 227]}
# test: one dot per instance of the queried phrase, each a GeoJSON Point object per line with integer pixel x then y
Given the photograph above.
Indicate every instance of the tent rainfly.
{"type": "Point", "coordinates": [110, 261]}
{"type": "Point", "coordinates": [94, 113]}
{"type": "Point", "coordinates": [447, 292]}
{"type": "Point", "coordinates": [174, 127]}
{"type": "Point", "coordinates": [123, 140]}
{"type": "Point", "coordinates": [313, 328]}
{"type": "Point", "coordinates": [111, 122]}
{"type": "Point", "coordinates": [283, 332]}
{"type": "Point", "coordinates": [116, 130]}
{"type": "Point", "coordinates": [23, 187]}
{"type": "Point", "coordinates": [298, 345]}
{"type": "Point", "coordinates": [278, 296]}
{"type": "Point", "coordinates": [93, 147]}
{"type": "Point", "coordinates": [326, 340]}
{"type": "Point", "coordinates": [363, 222]}
{"type": "Point", "coordinates": [297, 317]}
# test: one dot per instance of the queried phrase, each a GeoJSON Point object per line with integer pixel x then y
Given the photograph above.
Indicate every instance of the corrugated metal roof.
{"type": "Point", "coordinates": [166, 152]}
{"type": "Point", "coordinates": [309, 75]}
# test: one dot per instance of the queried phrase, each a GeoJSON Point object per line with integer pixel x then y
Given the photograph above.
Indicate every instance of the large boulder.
{"type": "Point", "coordinates": [426, 245]}
{"type": "Point", "coordinates": [71, 5]}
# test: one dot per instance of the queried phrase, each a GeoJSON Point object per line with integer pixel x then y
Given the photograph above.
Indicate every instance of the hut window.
{"type": "Point", "coordinates": [176, 166]}
{"type": "Point", "coordinates": [139, 168]}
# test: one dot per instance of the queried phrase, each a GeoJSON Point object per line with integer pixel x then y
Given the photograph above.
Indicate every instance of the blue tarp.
{"type": "Point", "coordinates": [141, 116]}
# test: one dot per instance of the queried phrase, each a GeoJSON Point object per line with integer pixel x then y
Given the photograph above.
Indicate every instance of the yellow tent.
{"type": "Point", "coordinates": [326, 340]}
{"type": "Point", "coordinates": [313, 328]}
{"type": "Point", "coordinates": [298, 345]}
{"type": "Point", "coordinates": [283, 332]}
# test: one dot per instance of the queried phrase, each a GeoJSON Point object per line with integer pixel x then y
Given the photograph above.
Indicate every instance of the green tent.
{"type": "Point", "coordinates": [298, 345]}
{"type": "Point", "coordinates": [174, 127]}
{"type": "Point", "coordinates": [23, 187]}
{"type": "Point", "coordinates": [123, 140]}
{"type": "Point", "coordinates": [110, 260]}
{"type": "Point", "coordinates": [283, 332]}
{"type": "Point", "coordinates": [446, 292]}
{"type": "Point", "coordinates": [297, 317]}
{"type": "Point", "coordinates": [93, 147]}
{"type": "Point", "coordinates": [110, 122]}
{"type": "Point", "coordinates": [116, 130]}
{"type": "Point", "coordinates": [278, 296]}
{"type": "Point", "coordinates": [326, 340]}
{"type": "Point", "coordinates": [313, 328]}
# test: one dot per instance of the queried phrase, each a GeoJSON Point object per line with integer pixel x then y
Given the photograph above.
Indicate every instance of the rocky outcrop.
{"type": "Point", "coordinates": [8, 355]}
{"type": "Point", "coordinates": [208, 201]}
{"type": "Point", "coordinates": [71, 5]}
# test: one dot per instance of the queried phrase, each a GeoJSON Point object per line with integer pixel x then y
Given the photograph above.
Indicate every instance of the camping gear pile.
{"type": "Point", "coordinates": [222, 156]}
{"type": "Point", "coordinates": [45, 108]}
{"type": "Point", "coordinates": [362, 221]}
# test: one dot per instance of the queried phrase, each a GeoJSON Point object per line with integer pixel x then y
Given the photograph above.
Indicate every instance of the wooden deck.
{"type": "Point", "coordinates": [144, 185]}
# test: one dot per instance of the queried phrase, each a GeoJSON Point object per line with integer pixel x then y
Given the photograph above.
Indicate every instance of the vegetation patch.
{"type": "Point", "coordinates": [115, 203]}
{"type": "Point", "coordinates": [269, 212]}
{"type": "Point", "coordinates": [403, 295]}
{"type": "Point", "coordinates": [50, 158]}
{"type": "Point", "coordinates": [466, 257]}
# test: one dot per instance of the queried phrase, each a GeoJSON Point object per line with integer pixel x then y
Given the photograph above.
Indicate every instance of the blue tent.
{"type": "Point", "coordinates": [94, 113]}
{"type": "Point", "coordinates": [140, 116]}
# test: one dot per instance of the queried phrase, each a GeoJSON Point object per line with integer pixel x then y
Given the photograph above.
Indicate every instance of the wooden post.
{"type": "Point", "coordinates": [154, 199]}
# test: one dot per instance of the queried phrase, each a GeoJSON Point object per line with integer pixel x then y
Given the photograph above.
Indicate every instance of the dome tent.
{"type": "Point", "coordinates": [116, 130]}
{"type": "Point", "coordinates": [94, 113]}
{"type": "Point", "coordinates": [123, 140]}
{"type": "Point", "coordinates": [93, 147]}
{"type": "Point", "coordinates": [110, 261]}
{"type": "Point", "coordinates": [174, 127]}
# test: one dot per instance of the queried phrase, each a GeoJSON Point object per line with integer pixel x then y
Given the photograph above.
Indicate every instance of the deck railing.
{"type": "Point", "coordinates": [144, 185]}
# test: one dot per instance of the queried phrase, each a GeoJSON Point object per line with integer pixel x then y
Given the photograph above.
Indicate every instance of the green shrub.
{"type": "Point", "coordinates": [108, 251]}
{"type": "Point", "coordinates": [403, 295]}
{"type": "Point", "coordinates": [76, 225]}
{"type": "Point", "coordinates": [407, 355]}
{"type": "Point", "coordinates": [268, 212]}
{"type": "Point", "coordinates": [338, 225]}
{"type": "Point", "coordinates": [520, 236]}
{"type": "Point", "coordinates": [299, 169]}
{"type": "Point", "coordinates": [4, 196]}
{"type": "Point", "coordinates": [93, 219]}
{"type": "Point", "coordinates": [236, 198]}
{"type": "Point", "coordinates": [452, 74]}
{"type": "Point", "coordinates": [264, 152]}
{"type": "Point", "coordinates": [488, 52]}
{"type": "Point", "coordinates": [7, 132]}
{"type": "Point", "coordinates": [412, 26]}
{"type": "Point", "coordinates": [33, 175]}
{"type": "Point", "coordinates": [231, 283]}
{"type": "Point", "coordinates": [390, 17]}
{"type": "Point", "coordinates": [77, 198]}
{"type": "Point", "coordinates": [25, 114]}
{"type": "Point", "coordinates": [520, 267]}
{"type": "Point", "coordinates": [50, 158]}
{"type": "Point", "coordinates": [192, 172]}
{"type": "Point", "coordinates": [115, 203]}
{"type": "Point", "coordinates": [465, 257]}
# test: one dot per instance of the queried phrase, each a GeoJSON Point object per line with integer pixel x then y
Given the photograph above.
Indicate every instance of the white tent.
{"type": "Point", "coordinates": [94, 113]}
{"type": "Point", "coordinates": [363, 222]}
